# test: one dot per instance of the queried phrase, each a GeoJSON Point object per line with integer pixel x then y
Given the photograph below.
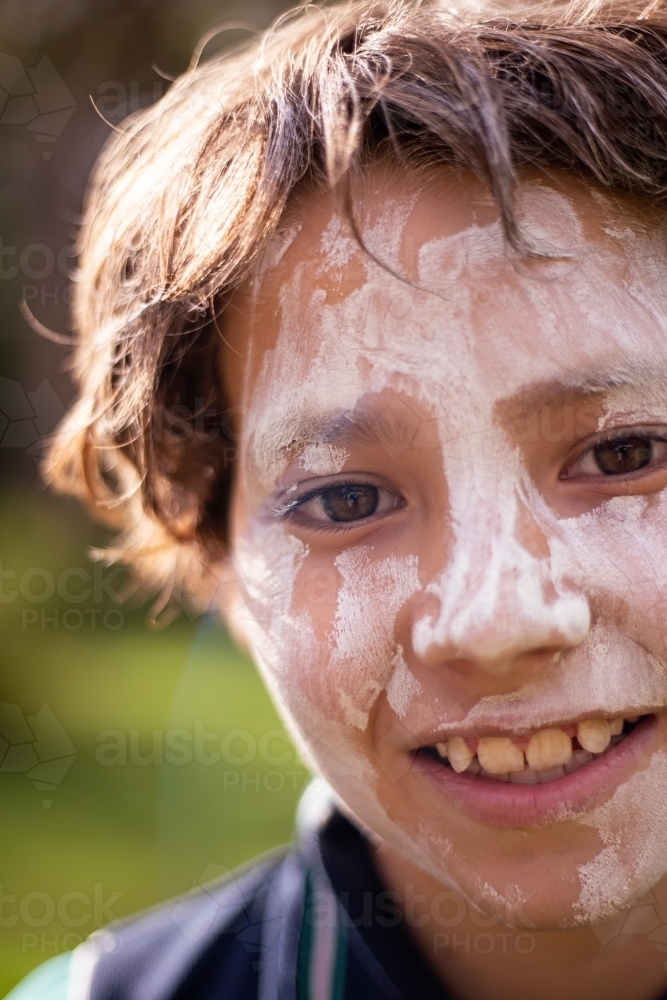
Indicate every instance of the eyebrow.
{"type": "Point", "coordinates": [640, 378]}
{"type": "Point", "coordinates": [393, 426]}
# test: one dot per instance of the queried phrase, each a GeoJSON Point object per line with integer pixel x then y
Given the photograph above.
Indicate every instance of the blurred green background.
{"type": "Point", "coordinates": [158, 761]}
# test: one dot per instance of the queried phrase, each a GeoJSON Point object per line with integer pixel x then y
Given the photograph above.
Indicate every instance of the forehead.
{"type": "Point", "coordinates": [426, 297]}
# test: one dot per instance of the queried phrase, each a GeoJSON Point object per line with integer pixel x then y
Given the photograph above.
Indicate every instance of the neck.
{"type": "Point", "coordinates": [477, 957]}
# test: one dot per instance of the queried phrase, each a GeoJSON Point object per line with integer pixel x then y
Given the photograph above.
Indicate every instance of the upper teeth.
{"type": "Point", "coordinates": [549, 748]}
{"type": "Point", "coordinates": [545, 750]}
{"type": "Point", "coordinates": [497, 754]}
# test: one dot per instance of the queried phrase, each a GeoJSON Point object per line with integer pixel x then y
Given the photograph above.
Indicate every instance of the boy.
{"type": "Point", "coordinates": [420, 254]}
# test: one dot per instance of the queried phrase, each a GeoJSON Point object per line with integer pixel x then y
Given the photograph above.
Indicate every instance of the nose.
{"type": "Point", "coordinates": [499, 599]}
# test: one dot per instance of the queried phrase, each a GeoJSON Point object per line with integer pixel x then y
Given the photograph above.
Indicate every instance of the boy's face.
{"type": "Point", "coordinates": [449, 521]}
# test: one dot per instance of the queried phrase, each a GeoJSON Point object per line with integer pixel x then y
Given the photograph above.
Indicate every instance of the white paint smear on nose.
{"type": "Point", "coordinates": [494, 593]}
{"type": "Point", "coordinates": [496, 598]}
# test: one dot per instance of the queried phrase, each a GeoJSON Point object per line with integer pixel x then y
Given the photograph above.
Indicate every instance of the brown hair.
{"type": "Point", "coordinates": [183, 202]}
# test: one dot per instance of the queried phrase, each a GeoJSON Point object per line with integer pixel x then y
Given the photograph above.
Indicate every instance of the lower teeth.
{"type": "Point", "coordinates": [528, 776]}
{"type": "Point", "coordinates": [578, 758]}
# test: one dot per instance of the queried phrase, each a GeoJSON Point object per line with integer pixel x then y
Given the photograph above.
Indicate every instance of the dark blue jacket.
{"type": "Point", "coordinates": [311, 923]}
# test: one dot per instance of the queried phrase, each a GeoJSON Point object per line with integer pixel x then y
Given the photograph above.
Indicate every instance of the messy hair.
{"type": "Point", "coordinates": [184, 200]}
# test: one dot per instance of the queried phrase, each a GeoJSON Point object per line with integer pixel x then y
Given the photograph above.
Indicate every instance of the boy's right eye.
{"type": "Point", "coordinates": [343, 503]}
{"type": "Point", "coordinates": [350, 503]}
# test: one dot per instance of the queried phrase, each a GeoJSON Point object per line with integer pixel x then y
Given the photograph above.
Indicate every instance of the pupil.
{"type": "Point", "coordinates": [622, 456]}
{"type": "Point", "coordinates": [350, 503]}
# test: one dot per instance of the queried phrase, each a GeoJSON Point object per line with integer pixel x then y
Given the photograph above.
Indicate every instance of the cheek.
{"type": "Point", "coordinates": [352, 605]}
{"type": "Point", "coordinates": [323, 632]}
{"type": "Point", "coordinates": [617, 554]}
{"type": "Point", "coordinates": [268, 561]}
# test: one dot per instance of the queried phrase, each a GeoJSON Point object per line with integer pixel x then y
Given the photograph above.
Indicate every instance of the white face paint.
{"type": "Point", "coordinates": [624, 864]}
{"type": "Point", "coordinates": [323, 459]}
{"type": "Point", "coordinates": [486, 594]}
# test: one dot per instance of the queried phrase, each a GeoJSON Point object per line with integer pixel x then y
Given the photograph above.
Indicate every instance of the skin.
{"type": "Point", "coordinates": [468, 388]}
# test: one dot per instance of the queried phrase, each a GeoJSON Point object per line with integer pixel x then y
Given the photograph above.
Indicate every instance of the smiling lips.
{"type": "Point", "coordinates": [544, 756]}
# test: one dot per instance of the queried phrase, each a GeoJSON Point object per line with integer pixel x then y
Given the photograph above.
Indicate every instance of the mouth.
{"type": "Point", "coordinates": [527, 779]}
{"type": "Point", "coordinates": [543, 756]}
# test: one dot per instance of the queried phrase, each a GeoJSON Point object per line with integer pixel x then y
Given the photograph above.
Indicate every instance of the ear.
{"type": "Point", "coordinates": [232, 602]}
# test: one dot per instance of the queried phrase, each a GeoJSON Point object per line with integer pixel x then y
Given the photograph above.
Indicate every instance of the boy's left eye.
{"type": "Point", "coordinates": [621, 456]}
{"type": "Point", "coordinates": [343, 503]}
{"type": "Point", "coordinates": [626, 455]}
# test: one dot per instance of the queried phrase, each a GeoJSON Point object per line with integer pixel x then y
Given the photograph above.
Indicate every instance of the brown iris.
{"type": "Point", "coordinates": [624, 455]}
{"type": "Point", "coordinates": [350, 503]}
